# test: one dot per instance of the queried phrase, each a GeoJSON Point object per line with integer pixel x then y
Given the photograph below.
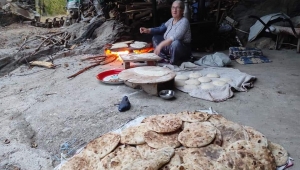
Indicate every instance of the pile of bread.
{"type": "Point", "coordinates": [183, 141]}
{"type": "Point", "coordinates": [194, 79]}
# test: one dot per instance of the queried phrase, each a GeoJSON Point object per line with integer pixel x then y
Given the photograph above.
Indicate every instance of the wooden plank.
{"type": "Point", "coordinates": [140, 57]}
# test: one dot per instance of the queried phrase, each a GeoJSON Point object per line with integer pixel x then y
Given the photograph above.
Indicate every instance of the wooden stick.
{"type": "Point", "coordinates": [42, 64]}
{"type": "Point", "coordinates": [96, 57]}
{"type": "Point", "coordinates": [109, 60]}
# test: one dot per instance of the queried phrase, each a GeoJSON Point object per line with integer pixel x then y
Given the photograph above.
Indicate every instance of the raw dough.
{"type": "Point", "coordinates": [195, 75]}
{"type": "Point", "coordinates": [213, 75]}
{"type": "Point", "coordinates": [190, 87]}
{"type": "Point", "coordinates": [179, 83]}
{"type": "Point", "coordinates": [181, 77]}
{"type": "Point", "coordinates": [192, 82]}
{"type": "Point", "coordinates": [207, 86]}
{"type": "Point", "coordinates": [204, 79]}
{"type": "Point", "coordinates": [219, 83]}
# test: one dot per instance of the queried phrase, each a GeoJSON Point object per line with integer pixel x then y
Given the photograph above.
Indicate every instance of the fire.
{"type": "Point", "coordinates": [118, 53]}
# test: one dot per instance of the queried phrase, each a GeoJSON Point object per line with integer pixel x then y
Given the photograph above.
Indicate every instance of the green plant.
{"type": "Point", "coordinates": [54, 7]}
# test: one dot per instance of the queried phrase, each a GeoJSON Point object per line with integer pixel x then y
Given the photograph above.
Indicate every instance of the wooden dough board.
{"type": "Point", "coordinates": [135, 77]}
{"type": "Point", "coordinates": [150, 58]}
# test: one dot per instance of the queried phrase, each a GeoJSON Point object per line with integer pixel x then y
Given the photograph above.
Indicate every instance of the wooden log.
{"type": "Point", "coordinates": [42, 64]}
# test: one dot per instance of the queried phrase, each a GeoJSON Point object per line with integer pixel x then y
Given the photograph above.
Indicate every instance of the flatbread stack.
{"type": "Point", "coordinates": [184, 141]}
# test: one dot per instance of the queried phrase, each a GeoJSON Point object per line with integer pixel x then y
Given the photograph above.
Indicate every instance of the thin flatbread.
{"type": "Point", "coordinates": [194, 116]}
{"type": "Point", "coordinates": [231, 131]}
{"type": "Point", "coordinates": [175, 161]}
{"type": "Point", "coordinates": [144, 150]}
{"type": "Point", "coordinates": [134, 135]}
{"type": "Point", "coordinates": [218, 139]}
{"type": "Point", "coordinates": [154, 160]}
{"type": "Point", "coordinates": [120, 157]}
{"type": "Point", "coordinates": [240, 160]}
{"type": "Point", "coordinates": [102, 146]}
{"type": "Point", "coordinates": [256, 136]}
{"type": "Point", "coordinates": [261, 153]}
{"type": "Point", "coordinates": [119, 45]}
{"type": "Point", "coordinates": [197, 134]}
{"type": "Point", "coordinates": [138, 45]}
{"type": "Point", "coordinates": [156, 140]}
{"type": "Point", "coordinates": [164, 124]}
{"type": "Point", "coordinates": [280, 154]}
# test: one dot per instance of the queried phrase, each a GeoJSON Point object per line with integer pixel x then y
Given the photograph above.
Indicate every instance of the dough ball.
{"type": "Point", "coordinates": [207, 86]}
{"type": "Point", "coordinates": [181, 77]}
{"type": "Point", "coordinates": [192, 82]}
{"type": "Point", "coordinates": [204, 79]}
{"type": "Point", "coordinates": [189, 87]}
{"type": "Point", "coordinates": [219, 83]}
{"type": "Point", "coordinates": [179, 83]}
{"type": "Point", "coordinates": [213, 75]}
{"type": "Point", "coordinates": [195, 75]}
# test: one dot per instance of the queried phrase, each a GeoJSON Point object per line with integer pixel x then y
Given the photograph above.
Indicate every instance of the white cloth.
{"type": "Point", "coordinates": [239, 81]}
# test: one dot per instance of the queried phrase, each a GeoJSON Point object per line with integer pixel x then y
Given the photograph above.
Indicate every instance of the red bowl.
{"type": "Point", "coordinates": [110, 76]}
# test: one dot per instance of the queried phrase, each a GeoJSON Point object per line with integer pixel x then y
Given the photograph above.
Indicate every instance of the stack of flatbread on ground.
{"type": "Point", "coordinates": [183, 141]}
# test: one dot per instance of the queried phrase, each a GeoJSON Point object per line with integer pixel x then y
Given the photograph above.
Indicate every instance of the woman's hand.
{"type": "Point", "coordinates": [144, 30]}
{"type": "Point", "coordinates": [157, 49]}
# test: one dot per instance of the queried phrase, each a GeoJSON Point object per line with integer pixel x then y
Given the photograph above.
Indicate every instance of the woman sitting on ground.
{"type": "Point", "coordinates": [172, 39]}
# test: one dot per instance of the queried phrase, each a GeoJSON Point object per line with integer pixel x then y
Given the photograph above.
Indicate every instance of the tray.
{"type": "Point", "coordinates": [110, 76]}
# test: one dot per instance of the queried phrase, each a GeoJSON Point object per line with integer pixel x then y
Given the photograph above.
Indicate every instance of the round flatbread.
{"type": "Point", "coordinates": [204, 79]}
{"type": "Point", "coordinates": [134, 135]}
{"type": "Point", "coordinates": [213, 75]}
{"type": "Point", "coordinates": [256, 137]}
{"type": "Point", "coordinates": [230, 131]}
{"type": "Point", "coordinates": [102, 146]}
{"type": "Point", "coordinates": [155, 71]}
{"type": "Point", "coordinates": [120, 157]}
{"type": "Point", "coordinates": [154, 160]}
{"type": "Point", "coordinates": [219, 83]}
{"type": "Point", "coordinates": [192, 136]}
{"type": "Point", "coordinates": [261, 153]}
{"type": "Point", "coordinates": [192, 82]}
{"type": "Point", "coordinates": [225, 79]}
{"type": "Point", "coordinates": [156, 140]}
{"type": "Point", "coordinates": [181, 77]}
{"type": "Point", "coordinates": [211, 151]}
{"type": "Point", "coordinates": [280, 154]}
{"type": "Point", "coordinates": [218, 139]}
{"type": "Point", "coordinates": [175, 161]}
{"type": "Point", "coordinates": [194, 116]}
{"type": "Point", "coordinates": [75, 162]}
{"type": "Point", "coordinates": [164, 123]}
{"type": "Point", "coordinates": [140, 42]}
{"type": "Point", "coordinates": [144, 150]}
{"type": "Point", "coordinates": [138, 45]}
{"type": "Point", "coordinates": [119, 45]}
{"type": "Point", "coordinates": [190, 87]}
{"type": "Point", "coordinates": [195, 75]}
{"type": "Point", "coordinates": [179, 83]}
{"type": "Point", "coordinates": [206, 86]}
{"type": "Point", "coordinates": [239, 160]}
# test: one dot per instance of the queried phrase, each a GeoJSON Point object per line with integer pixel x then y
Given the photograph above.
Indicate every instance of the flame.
{"type": "Point", "coordinates": [118, 53]}
{"type": "Point", "coordinates": [144, 50]}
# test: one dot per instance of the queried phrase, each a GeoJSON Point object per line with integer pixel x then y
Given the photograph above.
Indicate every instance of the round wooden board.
{"type": "Point", "coordinates": [147, 74]}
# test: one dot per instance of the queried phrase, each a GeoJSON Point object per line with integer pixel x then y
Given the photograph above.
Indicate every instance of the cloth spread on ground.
{"type": "Point", "coordinates": [244, 55]}
{"type": "Point", "coordinates": [216, 60]}
{"type": "Point", "coordinates": [258, 26]}
{"type": "Point", "coordinates": [236, 80]}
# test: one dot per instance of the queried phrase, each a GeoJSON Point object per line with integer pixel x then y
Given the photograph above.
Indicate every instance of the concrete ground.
{"type": "Point", "coordinates": [40, 108]}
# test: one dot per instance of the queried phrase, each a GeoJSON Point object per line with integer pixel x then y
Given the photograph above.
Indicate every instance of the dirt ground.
{"type": "Point", "coordinates": [40, 108]}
